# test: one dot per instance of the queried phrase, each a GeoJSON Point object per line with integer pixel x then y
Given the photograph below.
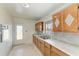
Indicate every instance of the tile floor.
{"type": "Point", "coordinates": [25, 50]}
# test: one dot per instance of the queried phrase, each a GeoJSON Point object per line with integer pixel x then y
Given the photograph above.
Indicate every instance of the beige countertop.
{"type": "Point", "coordinates": [69, 49]}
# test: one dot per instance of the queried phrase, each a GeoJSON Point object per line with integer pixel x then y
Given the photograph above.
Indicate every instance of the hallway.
{"type": "Point", "coordinates": [25, 50]}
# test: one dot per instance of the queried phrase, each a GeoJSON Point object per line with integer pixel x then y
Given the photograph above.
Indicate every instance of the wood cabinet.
{"type": "Point", "coordinates": [70, 20]}
{"type": "Point", "coordinates": [57, 52]}
{"type": "Point", "coordinates": [67, 20]}
{"type": "Point", "coordinates": [78, 19]}
{"type": "Point", "coordinates": [47, 49]}
{"type": "Point", "coordinates": [39, 26]}
{"type": "Point", "coordinates": [42, 46]}
{"type": "Point", "coordinates": [38, 44]}
{"type": "Point", "coordinates": [58, 22]}
{"type": "Point", "coordinates": [34, 40]}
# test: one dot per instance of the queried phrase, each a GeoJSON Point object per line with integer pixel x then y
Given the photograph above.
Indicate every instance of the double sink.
{"type": "Point", "coordinates": [44, 37]}
{"type": "Point", "coordinates": [47, 37]}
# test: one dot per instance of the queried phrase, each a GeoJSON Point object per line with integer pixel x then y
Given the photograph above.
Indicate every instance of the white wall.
{"type": "Point", "coordinates": [28, 25]}
{"type": "Point", "coordinates": [72, 38]}
{"type": "Point", "coordinates": [5, 19]}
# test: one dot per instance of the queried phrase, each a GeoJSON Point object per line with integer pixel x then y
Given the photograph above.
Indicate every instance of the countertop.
{"type": "Point", "coordinates": [69, 49]}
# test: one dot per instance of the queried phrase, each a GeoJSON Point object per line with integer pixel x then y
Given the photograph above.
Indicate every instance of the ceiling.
{"type": "Point", "coordinates": [35, 11]}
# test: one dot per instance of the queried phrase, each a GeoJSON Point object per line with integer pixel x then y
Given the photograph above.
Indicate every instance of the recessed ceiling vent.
{"type": "Point", "coordinates": [26, 5]}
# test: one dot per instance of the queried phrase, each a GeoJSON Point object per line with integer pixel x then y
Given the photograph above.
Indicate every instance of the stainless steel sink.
{"type": "Point", "coordinates": [44, 37]}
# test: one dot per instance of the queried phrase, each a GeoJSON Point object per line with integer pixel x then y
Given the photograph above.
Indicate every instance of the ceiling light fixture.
{"type": "Point", "coordinates": [26, 5]}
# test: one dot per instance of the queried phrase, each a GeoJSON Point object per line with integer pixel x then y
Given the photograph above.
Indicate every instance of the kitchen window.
{"type": "Point", "coordinates": [49, 26]}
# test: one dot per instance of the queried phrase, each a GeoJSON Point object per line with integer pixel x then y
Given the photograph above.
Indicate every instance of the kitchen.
{"type": "Point", "coordinates": [64, 40]}
{"type": "Point", "coordinates": [39, 29]}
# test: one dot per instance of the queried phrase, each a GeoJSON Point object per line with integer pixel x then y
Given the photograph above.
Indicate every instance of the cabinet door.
{"type": "Point", "coordinates": [42, 46]}
{"type": "Point", "coordinates": [57, 52]}
{"type": "Point", "coordinates": [78, 18]}
{"type": "Point", "coordinates": [39, 44]}
{"type": "Point", "coordinates": [54, 53]}
{"type": "Point", "coordinates": [58, 22]}
{"type": "Point", "coordinates": [34, 39]}
{"type": "Point", "coordinates": [39, 26]}
{"type": "Point", "coordinates": [70, 18]}
{"type": "Point", "coordinates": [36, 27]}
{"type": "Point", "coordinates": [47, 49]}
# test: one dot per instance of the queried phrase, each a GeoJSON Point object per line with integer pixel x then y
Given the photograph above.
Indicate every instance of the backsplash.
{"type": "Point", "coordinates": [71, 38]}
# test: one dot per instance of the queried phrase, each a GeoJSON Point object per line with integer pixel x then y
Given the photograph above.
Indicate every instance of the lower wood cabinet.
{"type": "Point", "coordinates": [42, 46]}
{"type": "Point", "coordinates": [34, 39]}
{"type": "Point", "coordinates": [57, 52]}
{"type": "Point", "coordinates": [47, 49]}
{"type": "Point", "coordinates": [39, 44]}
{"type": "Point", "coordinates": [54, 52]}
{"type": "Point", "coordinates": [36, 42]}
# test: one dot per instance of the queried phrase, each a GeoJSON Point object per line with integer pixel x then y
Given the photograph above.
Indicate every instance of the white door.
{"type": "Point", "coordinates": [23, 31]}
{"type": "Point", "coordinates": [18, 34]}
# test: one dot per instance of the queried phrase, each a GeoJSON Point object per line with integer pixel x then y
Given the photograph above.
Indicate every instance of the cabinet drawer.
{"type": "Point", "coordinates": [57, 52]}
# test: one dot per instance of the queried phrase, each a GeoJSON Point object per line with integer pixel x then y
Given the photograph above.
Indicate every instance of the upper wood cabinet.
{"type": "Point", "coordinates": [58, 22]}
{"type": "Point", "coordinates": [39, 26]}
{"type": "Point", "coordinates": [67, 20]}
{"type": "Point", "coordinates": [70, 21]}
{"type": "Point", "coordinates": [78, 19]}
